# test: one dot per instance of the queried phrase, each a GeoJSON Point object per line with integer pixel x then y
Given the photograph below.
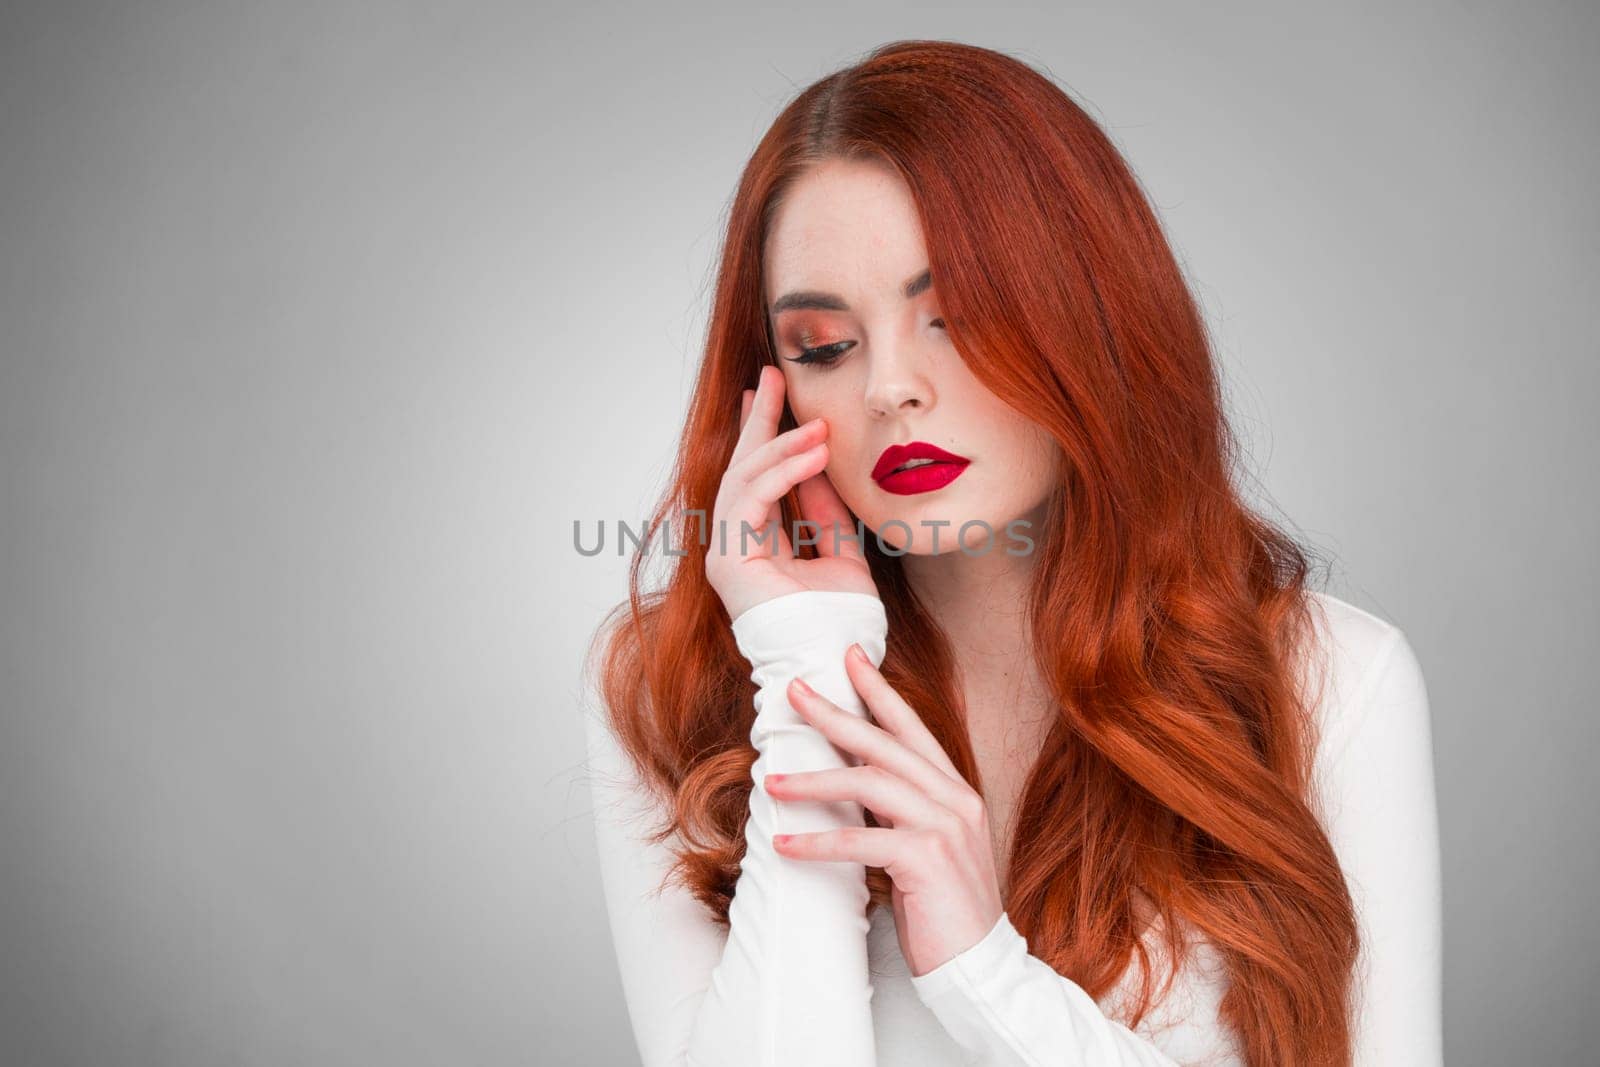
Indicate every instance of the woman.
{"type": "Point", "coordinates": [1133, 792]}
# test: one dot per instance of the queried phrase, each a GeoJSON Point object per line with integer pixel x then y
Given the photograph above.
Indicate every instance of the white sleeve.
{"type": "Point", "coordinates": [786, 983]}
{"type": "Point", "coordinates": [1378, 785]}
{"type": "Point", "coordinates": [1006, 1006]}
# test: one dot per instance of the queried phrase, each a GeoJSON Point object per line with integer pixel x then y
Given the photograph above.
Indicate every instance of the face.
{"type": "Point", "coordinates": [860, 341]}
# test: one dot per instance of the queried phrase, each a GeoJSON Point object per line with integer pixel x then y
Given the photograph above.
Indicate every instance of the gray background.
{"type": "Point", "coordinates": [321, 325]}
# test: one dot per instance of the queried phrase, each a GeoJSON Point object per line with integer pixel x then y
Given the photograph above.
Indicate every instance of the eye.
{"type": "Point", "coordinates": [937, 322]}
{"type": "Point", "coordinates": [824, 356]}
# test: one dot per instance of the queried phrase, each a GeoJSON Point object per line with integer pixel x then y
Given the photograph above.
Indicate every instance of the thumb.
{"type": "Point", "coordinates": [820, 503]}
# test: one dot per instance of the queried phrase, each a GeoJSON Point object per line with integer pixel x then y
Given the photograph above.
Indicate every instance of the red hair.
{"type": "Point", "coordinates": [1172, 620]}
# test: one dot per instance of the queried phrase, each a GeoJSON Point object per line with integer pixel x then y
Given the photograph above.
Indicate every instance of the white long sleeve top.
{"type": "Point", "coordinates": [802, 976]}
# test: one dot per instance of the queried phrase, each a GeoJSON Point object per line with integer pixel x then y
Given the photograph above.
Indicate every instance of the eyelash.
{"type": "Point", "coordinates": [827, 355]}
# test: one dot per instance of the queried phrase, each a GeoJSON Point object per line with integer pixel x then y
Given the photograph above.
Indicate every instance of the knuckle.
{"type": "Point", "coordinates": [938, 847]}
{"type": "Point", "coordinates": [953, 826]}
{"type": "Point", "coordinates": [972, 810]}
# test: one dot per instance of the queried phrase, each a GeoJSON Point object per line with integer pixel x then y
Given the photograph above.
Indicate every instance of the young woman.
{"type": "Point", "coordinates": [1133, 792]}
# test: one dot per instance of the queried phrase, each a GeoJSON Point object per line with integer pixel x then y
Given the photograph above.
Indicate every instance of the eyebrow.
{"type": "Point", "coordinates": [812, 300]}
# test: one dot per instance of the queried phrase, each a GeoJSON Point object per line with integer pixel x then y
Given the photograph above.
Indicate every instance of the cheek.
{"type": "Point", "coordinates": [845, 426]}
{"type": "Point", "coordinates": [808, 400]}
{"type": "Point", "coordinates": [1046, 463]}
{"type": "Point", "coordinates": [799, 398]}
{"type": "Point", "coordinates": [1030, 450]}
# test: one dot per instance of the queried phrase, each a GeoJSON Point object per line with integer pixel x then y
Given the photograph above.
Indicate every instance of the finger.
{"type": "Point", "coordinates": [775, 514]}
{"type": "Point", "coordinates": [766, 409]}
{"type": "Point", "coordinates": [890, 798]}
{"type": "Point", "coordinates": [820, 502]}
{"type": "Point", "coordinates": [747, 400]}
{"type": "Point", "coordinates": [877, 746]}
{"type": "Point", "coordinates": [806, 435]}
{"type": "Point", "coordinates": [754, 491]}
{"type": "Point", "coordinates": [891, 711]}
{"type": "Point", "coordinates": [872, 846]}
{"type": "Point", "coordinates": [786, 472]}
{"type": "Point", "coordinates": [751, 459]}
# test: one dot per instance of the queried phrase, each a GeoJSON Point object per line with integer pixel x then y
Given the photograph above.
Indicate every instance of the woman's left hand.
{"type": "Point", "coordinates": [934, 839]}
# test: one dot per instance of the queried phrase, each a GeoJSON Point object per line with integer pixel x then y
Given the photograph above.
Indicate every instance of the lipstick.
{"type": "Point", "coordinates": [917, 467]}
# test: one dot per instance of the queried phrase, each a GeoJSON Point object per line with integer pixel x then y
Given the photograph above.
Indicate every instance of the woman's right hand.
{"type": "Point", "coordinates": [764, 466]}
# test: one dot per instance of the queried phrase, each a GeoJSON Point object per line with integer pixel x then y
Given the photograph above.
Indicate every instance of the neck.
{"type": "Point", "coordinates": [980, 602]}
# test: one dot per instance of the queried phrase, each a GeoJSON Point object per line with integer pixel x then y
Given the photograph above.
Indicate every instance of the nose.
{"type": "Point", "coordinates": [897, 382]}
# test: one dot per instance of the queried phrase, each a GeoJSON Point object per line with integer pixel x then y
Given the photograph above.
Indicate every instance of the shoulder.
{"type": "Point", "coordinates": [1350, 642]}
{"type": "Point", "coordinates": [1363, 671]}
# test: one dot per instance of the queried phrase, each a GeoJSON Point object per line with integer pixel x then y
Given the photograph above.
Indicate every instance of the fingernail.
{"type": "Point", "coordinates": [771, 778]}
{"type": "Point", "coordinates": [803, 687]}
{"type": "Point", "coordinates": [781, 839]}
{"type": "Point", "coordinates": [857, 651]}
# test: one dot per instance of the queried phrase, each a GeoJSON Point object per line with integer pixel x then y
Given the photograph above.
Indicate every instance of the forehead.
{"type": "Point", "coordinates": [845, 226]}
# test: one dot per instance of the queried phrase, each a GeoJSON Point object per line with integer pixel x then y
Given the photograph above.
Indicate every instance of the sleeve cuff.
{"type": "Point", "coordinates": [796, 628]}
{"type": "Point", "coordinates": [971, 966]}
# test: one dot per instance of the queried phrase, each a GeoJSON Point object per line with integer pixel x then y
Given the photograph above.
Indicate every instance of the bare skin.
{"type": "Point", "coordinates": [842, 268]}
{"type": "Point", "coordinates": [1009, 711]}
{"type": "Point", "coordinates": [850, 229]}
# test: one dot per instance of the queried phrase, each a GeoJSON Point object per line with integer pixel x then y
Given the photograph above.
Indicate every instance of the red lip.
{"type": "Point", "coordinates": [922, 478]}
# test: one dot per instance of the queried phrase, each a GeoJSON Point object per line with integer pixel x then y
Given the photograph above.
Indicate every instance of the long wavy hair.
{"type": "Point", "coordinates": [1171, 620]}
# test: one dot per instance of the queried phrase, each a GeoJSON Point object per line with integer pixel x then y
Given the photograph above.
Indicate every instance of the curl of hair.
{"type": "Point", "coordinates": [1170, 620]}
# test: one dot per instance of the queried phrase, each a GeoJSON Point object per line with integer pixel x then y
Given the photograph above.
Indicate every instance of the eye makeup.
{"type": "Point", "coordinates": [818, 347]}
{"type": "Point", "coordinates": [816, 352]}
{"type": "Point", "coordinates": [822, 355]}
